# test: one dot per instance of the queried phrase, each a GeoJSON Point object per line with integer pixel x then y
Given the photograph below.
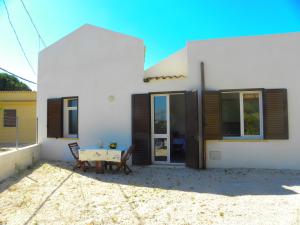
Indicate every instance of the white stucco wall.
{"type": "Point", "coordinates": [14, 161]}
{"type": "Point", "coordinates": [94, 63]}
{"type": "Point", "coordinates": [253, 62]}
{"type": "Point", "coordinates": [175, 64]}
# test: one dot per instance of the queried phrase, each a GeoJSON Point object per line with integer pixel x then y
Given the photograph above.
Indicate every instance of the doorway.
{"type": "Point", "coordinates": [168, 128]}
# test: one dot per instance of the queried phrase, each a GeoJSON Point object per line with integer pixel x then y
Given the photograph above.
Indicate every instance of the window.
{"type": "Point", "coordinates": [247, 114]}
{"type": "Point", "coordinates": [71, 117]}
{"type": "Point", "coordinates": [10, 118]}
{"type": "Point", "coordinates": [242, 114]}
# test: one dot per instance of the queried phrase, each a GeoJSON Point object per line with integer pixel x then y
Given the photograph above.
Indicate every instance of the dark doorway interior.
{"type": "Point", "coordinates": [177, 128]}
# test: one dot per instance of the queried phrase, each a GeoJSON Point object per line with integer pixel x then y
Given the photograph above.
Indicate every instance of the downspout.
{"type": "Point", "coordinates": [203, 141]}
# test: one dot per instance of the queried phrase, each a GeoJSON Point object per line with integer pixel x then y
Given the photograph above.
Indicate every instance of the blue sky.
{"type": "Point", "coordinates": [165, 25]}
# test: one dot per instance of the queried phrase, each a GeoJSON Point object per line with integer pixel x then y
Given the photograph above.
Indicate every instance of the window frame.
{"type": "Point", "coordinates": [242, 122]}
{"type": "Point", "coordinates": [4, 119]}
{"type": "Point", "coordinates": [66, 109]}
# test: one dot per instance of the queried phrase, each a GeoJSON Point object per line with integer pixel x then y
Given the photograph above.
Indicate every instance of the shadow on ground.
{"type": "Point", "coordinates": [224, 182]}
{"type": "Point", "coordinates": [227, 182]}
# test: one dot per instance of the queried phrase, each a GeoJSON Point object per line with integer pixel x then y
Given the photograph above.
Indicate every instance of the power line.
{"type": "Point", "coordinates": [17, 37]}
{"type": "Point", "coordinates": [14, 75]}
{"type": "Point", "coordinates": [33, 24]}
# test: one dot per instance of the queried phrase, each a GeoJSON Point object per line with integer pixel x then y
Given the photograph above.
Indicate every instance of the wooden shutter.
{"type": "Point", "coordinates": [141, 129]}
{"type": "Point", "coordinates": [192, 130]}
{"type": "Point", "coordinates": [55, 118]}
{"type": "Point", "coordinates": [10, 118]}
{"type": "Point", "coordinates": [275, 114]}
{"type": "Point", "coordinates": [212, 115]}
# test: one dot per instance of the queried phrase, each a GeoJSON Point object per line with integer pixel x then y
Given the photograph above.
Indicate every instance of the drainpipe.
{"type": "Point", "coordinates": [17, 133]}
{"type": "Point", "coordinates": [37, 131]}
{"type": "Point", "coordinates": [203, 116]}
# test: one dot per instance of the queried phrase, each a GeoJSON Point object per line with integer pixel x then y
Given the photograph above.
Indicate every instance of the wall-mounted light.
{"type": "Point", "coordinates": [111, 98]}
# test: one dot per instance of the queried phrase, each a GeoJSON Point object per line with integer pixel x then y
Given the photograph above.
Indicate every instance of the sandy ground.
{"type": "Point", "coordinates": [51, 193]}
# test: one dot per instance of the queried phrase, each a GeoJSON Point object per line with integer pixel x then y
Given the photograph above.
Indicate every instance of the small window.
{"type": "Point", "coordinates": [10, 118]}
{"type": "Point", "coordinates": [242, 114]}
{"type": "Point", "coordinates": [71, 117]}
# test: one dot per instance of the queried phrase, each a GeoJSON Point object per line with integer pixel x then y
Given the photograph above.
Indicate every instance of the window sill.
{"type": "Point", "coordinates": [69, 138]}
{"type": "Point", "coordinates": [244, 139]}
{"type": "Point", "coordinates": [65, 138]}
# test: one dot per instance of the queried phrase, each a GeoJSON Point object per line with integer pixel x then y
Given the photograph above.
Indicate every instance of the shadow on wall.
{"type": "Point", "coordinates": [227, 182]}
{"type": "Point", "coordinates": [21, 174]}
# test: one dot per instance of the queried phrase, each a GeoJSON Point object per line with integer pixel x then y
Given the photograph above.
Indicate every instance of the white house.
{"type": "Point", "coordinates": [92, 86]}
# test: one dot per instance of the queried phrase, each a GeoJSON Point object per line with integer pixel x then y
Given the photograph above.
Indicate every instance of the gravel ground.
{"type": "Point", "coordinates": [51, 193]}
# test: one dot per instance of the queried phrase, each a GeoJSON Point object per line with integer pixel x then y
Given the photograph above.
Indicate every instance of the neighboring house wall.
{"type": "Point", "coordinates": [24, 102]}
{"type": "Point", "coordinates": [270, 61]}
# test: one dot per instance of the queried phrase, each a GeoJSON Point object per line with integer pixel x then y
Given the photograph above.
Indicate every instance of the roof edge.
{"type": "Point", "coordinates": [93, 27]}
{"type": "Point", "coordinates": [244, 37]}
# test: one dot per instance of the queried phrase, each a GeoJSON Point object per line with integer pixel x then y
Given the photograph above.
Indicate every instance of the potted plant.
{"type": "Point", "coordinates": [113, 145]}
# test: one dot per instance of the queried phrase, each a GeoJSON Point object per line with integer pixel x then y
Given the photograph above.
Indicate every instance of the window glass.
{"type": "Point", "coordinates": [177, 128]}
{"type": "Point", "coordinates": [231, 114]}
{"type": "Point", "coordinates": [251, 114]}
{"type": "Point", "coordinates": [73, 126]}
{"type": "Point", "coordinates": [160, 149]}
{"type": "Point", "coordinates": [72, 102]}
{"type": "Point", "coordinates": [160, 114]}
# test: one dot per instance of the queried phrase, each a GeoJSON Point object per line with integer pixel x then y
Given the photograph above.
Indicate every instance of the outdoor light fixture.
{"type": "Point", "coordinates": [111, 98]}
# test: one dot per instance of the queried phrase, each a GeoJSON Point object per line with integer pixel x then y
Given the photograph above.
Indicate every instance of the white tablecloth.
{"type": "Point", "coordinates": [94, 153]}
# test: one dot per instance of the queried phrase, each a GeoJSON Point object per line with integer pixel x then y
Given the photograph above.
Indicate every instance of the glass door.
{"type": "Point", "coordinates": [160, 129]}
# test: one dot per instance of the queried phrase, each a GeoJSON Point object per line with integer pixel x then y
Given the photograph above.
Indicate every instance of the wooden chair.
{"type": "Point", "coordinates": [123, 164]}
{"type": "Point", "coordinates": [83, 165]}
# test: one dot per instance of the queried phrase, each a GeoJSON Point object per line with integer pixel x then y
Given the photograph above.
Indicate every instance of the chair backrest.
{"type": "Point", "coordinates": [74, 148]}
{"type": "Point", "coordinates": [128, 153]}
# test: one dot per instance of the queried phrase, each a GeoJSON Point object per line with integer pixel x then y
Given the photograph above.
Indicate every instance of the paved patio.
{"type": "Point", "coordinates": [51, 193]}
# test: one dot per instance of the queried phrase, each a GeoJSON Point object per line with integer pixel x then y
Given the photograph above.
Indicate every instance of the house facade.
{"type": "Point", "coordinates": [18, 117]}
{"type": "Point", "coordinates": [219, 103]}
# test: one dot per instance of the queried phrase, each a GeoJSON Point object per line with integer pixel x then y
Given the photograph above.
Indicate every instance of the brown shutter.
{"type": "Point", "coordinates": [10, 118]}
{"type": "Point", "coordinates": [212, 115]}
{"type": "Point", "coordinates": [55, 118]}
{"type": "Point", "coordinates": [141, 127]}
{"type": "Point", "coordinates": [275, 114]}
{"type": "Point", "coordinates": [192, 130]}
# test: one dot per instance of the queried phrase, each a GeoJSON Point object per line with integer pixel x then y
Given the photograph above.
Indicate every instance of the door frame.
{"type": "Point", "coordinates": [168, 136]}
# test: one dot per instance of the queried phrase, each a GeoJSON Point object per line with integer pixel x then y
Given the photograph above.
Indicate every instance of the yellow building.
{"type": "Point", "coordinates": [18, 116]}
